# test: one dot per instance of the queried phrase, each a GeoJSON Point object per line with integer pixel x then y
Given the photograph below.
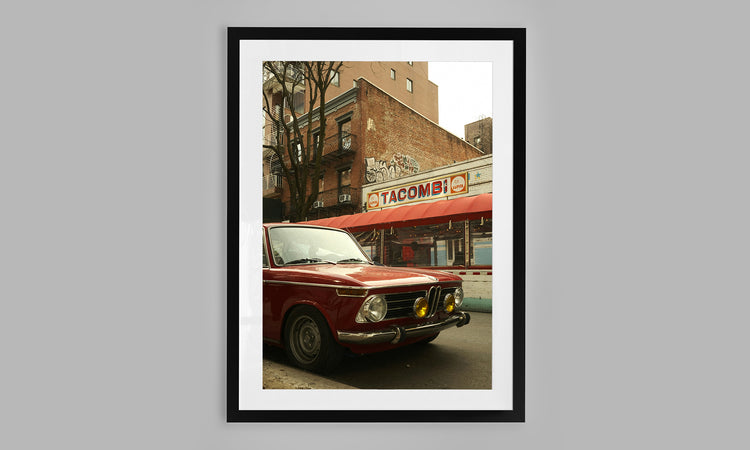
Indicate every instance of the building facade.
{"type": "Point", "coordinates": [406, 81]}
{"type": "Point", "coordinates": [440, 218]}
{"type": "Point", "coordinates": [371, 136]}
{"type": "Point", "coordinates": [479, 134]}
{"type": "Point", "coordinates": [462, 179]}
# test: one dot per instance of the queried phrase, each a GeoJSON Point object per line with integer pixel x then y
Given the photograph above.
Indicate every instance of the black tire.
{"type": "Point", "coordinates": [308, 341]}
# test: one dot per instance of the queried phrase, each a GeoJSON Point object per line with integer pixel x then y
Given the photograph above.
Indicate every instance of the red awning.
{"type": "Point", "coordinates": [412, 215]}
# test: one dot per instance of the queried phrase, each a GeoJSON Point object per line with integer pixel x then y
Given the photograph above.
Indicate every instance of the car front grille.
{"type": "Point", "coordinates": [402, 304]}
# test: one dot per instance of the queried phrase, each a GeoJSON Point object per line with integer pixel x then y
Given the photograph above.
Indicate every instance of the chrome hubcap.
{"type": "Point", "coordinates": [305, 339]}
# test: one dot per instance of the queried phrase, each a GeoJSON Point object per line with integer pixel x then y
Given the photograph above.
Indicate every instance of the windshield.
{"type": "Point", "coordinates": [305, 245]}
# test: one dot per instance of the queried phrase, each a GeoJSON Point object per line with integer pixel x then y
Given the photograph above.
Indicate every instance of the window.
{"type": "Point", "coordinates": [335, 78]}
{"type": "Point", "coordinates": [454, 252]}
{"type": "Point", "coordinates": [345, 134]}
{"type": "Point", "coordinates": [411, 63]}
{"type": "Point", "coordinates": [313, 149]}
{"type": "Point", "coordinates": [409, 85]}
{"type": "Point", "coordinates": [477, 141]}
{"type": "Point", "coordinates": [480, 245]}
{"type": "Point", "coordinates": [299, 102]}
{"type": "Point", "coordinates": [427, 245]}
{"type": "Point", "coordinates": [393, 74]}
{"type": "Point", "coordinates": [290, 243]}
{"type": "Point", "coordinates": [321, 183]}
{"type": "Point", "coordinates": [345, 179]}
{"type": "Point", "coordinates": [439, 245]}
{"type": "Point", "coordinates": [298, 146]}
{"type": "Point", "coordinates": [370, 243]}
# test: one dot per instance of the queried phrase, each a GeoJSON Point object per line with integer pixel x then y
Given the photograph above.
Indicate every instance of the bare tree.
{"type": "Point", "coordinates": [300, 154]}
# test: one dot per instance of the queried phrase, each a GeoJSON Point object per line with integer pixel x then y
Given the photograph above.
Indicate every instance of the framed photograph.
{"type": "Point", "coordinates": [376, 204]}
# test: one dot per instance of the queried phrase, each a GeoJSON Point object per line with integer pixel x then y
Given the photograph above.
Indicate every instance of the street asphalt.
{"type": "Point", "coordinates": [458, 359]}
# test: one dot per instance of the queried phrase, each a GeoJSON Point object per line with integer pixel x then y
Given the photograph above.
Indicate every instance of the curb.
{"type": "Point", "coordinates": [477, 305]}
{"type": "Point", "coordinates": [279, 376]}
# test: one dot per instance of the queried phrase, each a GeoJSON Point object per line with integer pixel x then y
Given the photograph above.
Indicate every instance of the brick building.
{"type": "Point", "coordinates": [479, 134]}
{"type": "Point", "coordinates": [372, 135]}
{"type": "Point", "coordinates": [405, 81]}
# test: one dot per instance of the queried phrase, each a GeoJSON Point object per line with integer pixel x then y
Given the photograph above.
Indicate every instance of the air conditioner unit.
{"type": "Point", "coordinates": [345, 198]}
{"type": "Point", "coordinates": [318, 204]}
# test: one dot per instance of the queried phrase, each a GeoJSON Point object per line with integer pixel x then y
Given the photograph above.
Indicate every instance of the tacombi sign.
{"type": "Point", "coordinates": [453, 184]}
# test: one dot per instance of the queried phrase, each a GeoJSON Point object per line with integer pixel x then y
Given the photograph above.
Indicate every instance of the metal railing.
{"type": "Point", "coordinates": [340, 145]}
{"type": "Point", "coordinates": [272, 181]}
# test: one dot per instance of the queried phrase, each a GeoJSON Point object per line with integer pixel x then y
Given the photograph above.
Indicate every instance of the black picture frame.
{"type": "Point", "coordinates": [517, 36]}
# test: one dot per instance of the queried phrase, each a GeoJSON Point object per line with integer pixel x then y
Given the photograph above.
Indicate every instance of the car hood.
{"type": "Point", "coordinates": [366, 275]}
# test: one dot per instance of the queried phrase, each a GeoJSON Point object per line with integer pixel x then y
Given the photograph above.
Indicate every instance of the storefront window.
{"type": "Point", "coordinates": [425, 246]}
{"type": "Point", "coordinates": [440, 245]}
{"type": "Point", "coordinates": [370, 243]}
{"type": "Point", "coordinates": [480, 244]}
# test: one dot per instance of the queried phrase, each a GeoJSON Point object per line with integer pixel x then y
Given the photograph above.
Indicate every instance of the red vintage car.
{"type": "Point", "coordinates": [322, 295]}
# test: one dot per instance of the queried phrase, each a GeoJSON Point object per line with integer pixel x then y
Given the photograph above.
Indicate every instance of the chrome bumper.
{"type": "Point", "coordinates": [394, 335]}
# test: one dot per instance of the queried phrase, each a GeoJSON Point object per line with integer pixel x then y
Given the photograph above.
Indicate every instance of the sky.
{"type": "Point", "coordinates": [464, 93]}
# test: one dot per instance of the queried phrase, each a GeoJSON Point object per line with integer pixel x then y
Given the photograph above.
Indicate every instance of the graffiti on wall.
{"type": "Point", "coordinates": [381, 170]}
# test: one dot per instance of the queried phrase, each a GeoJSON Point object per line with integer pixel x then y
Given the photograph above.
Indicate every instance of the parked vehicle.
{"type": "Point", "coordinates": [322, 295]}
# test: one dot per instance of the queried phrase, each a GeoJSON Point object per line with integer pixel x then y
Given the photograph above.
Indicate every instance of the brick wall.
{"type": "Point", "coordinates": [424, 97]}
{"type": "Point", "coordinates": [332, 166]}
{"type": "Point", "coordinates": [389, 135]}
{"type": "Point", "coordinates": [480, 129]}
{"type": "Point", "coordinates": [400, 140]}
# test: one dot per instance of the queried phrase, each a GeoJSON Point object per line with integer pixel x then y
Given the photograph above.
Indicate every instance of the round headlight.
{"type": "Point", "coordinates": [373, 309]}
{"type": "Point", "coordinates": [420, 307]}
{"type": "Point", "coordinates": [458, 297]}
{"type": "Point", "coordinates": [449, 303]}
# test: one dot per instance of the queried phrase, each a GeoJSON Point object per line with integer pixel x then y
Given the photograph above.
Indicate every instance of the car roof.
{"type": "Point", "coordinates": [298, 225]}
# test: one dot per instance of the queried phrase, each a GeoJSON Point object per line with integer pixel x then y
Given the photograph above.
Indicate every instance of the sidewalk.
{"type": "Point", "coordinates": [279, 376]}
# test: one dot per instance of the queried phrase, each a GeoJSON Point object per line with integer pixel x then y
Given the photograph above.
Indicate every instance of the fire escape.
{"type": "Point", "coordinates": [337, 151]}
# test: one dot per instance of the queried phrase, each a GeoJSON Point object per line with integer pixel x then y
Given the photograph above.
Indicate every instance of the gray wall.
{"type": "Point", "coordinates": [112, 188]}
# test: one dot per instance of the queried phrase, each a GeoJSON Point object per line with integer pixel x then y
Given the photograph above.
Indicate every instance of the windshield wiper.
{"type": "Point", "coordinates": [309, 260]}
{"type": "Point", "coordinates": [352, 260]}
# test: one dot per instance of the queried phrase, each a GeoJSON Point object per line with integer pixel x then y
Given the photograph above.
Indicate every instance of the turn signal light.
{"type": "Point", "coordinates": [351, 292]}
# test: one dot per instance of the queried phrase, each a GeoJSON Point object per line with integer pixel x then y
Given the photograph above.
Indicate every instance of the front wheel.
{"type": "Point", "coordinates": [308, 341]}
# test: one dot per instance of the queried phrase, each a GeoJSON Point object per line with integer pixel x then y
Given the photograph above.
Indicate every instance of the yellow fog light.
{"type": "Point", "coordinates": [420, 307]}
{"type": "Point", "coordinates": [450, 303]}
